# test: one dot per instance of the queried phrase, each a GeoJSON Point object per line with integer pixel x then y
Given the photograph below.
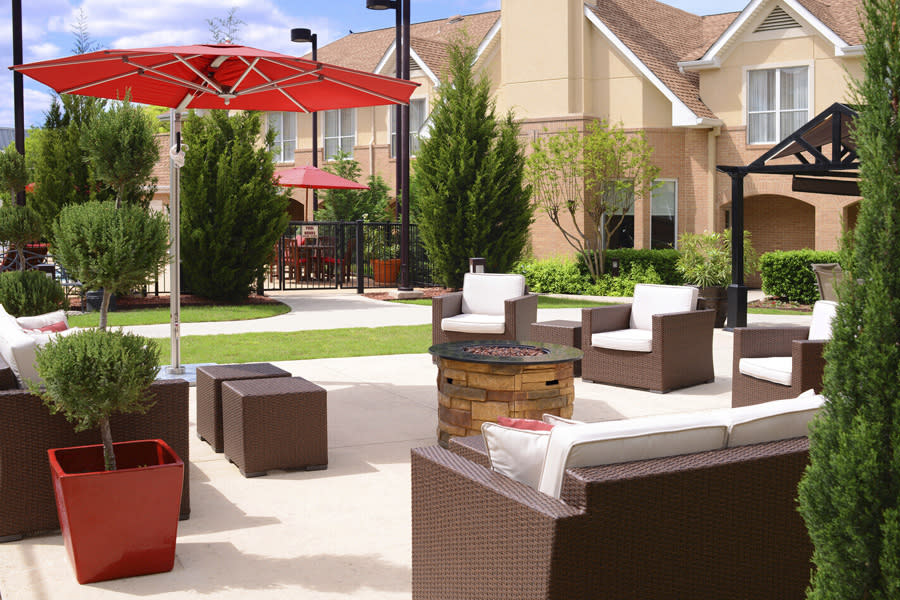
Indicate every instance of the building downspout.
{"type": "Point", "coordinates": [711, 138]}
{"type": "Point", "coordinates": [372, 146]}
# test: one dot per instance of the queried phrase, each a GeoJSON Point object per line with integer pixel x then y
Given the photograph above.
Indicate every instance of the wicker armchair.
{"type": "Point", "coordinates": [795, 359]}
{"type": "Point", "coordinates": [509, 310]}
{"type": "Point", "coordinates": [28, 430]}
{"type": "Point", "coordinates": [678, 353]}
{"type": "Point", "coordinates": [718, 524]}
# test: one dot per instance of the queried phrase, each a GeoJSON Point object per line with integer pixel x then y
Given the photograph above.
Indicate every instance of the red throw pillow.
{"type": "Point", "coordinates": [529, 424]}
{"type": "Point", "coordinates": [58, 326]}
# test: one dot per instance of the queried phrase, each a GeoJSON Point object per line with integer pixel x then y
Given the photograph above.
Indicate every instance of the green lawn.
{"type": "Point", "coordinates": [189, 314]}
{"type": "Point", "coordinates": [298, 345]}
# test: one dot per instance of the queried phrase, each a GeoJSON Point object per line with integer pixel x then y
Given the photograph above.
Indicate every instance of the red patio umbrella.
{"type": "Point", "coordinates": [310, 177]}
{"type": "Point", "coordinates": [223, 76]}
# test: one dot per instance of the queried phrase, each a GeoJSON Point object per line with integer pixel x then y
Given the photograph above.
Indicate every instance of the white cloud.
{"type": "Point", "coordinates": [43, 51]}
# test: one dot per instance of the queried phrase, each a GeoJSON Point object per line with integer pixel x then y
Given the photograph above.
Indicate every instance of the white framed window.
{"type": "Point", "coordinates": [285, 126]}
{"type": "Point", "coordinates": [664, 214]}
{"type": "Point", "coordinates": [417, 116]}
{"type": "Point", "coordinates": [623, 236]}
{"type": "Point", "coordinates": [777, 103]}
{"type": "Point", "coordinates": [339, 132]}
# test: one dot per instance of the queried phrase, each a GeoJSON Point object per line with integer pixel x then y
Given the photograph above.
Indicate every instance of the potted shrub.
{"type": "Point", "coordinates": [705, 261]}
{"type": "Point", "coordinates": [118, 503]}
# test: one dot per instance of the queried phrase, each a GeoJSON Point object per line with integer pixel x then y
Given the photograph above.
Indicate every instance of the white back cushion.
{"type": "Point", "coordinates": [823, 314]}
{"type": "Point", "coordinates": [775, 420]}
{"type": "Point", "coordinates": [38, 321]}
{"type": "Point", "coordinates": [486, 293]}
{"type": "Point", "coordinates": [652, 299]}
{"type": "Point", "coordinates": [516, 453]}
{"type": "Point", "coordinates": [631, 439]}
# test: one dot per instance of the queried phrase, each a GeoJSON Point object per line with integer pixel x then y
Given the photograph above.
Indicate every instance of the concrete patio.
{"type": "Point", "coordinates": [339, 533]}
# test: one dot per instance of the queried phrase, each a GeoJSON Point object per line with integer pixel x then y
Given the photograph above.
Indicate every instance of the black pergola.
{"type": "Point", "coordinates": [815, 170]}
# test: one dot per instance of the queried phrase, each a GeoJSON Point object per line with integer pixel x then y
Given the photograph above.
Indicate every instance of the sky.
{"type": "Point", "coordinates": [47, 28]}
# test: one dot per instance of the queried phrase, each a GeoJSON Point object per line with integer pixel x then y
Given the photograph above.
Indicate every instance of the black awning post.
{"type": "Point", "coordinates": [737, 291]}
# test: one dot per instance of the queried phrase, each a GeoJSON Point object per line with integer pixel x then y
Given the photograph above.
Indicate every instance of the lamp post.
{"type": "Point", "coordinates": [302, 35]}
{"type": "Point", "coordinates": [401, 53]}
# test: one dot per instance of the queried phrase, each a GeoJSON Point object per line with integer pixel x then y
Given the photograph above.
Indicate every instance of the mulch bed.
{"type": "Point", "coordinates": [427, 293]}
{"type": "Point", "coordinates": [161, 301]}
{"type": "Point", "coordinates": [779, 304]}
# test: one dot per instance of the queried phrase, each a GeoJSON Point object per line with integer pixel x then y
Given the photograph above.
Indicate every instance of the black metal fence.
{"type": "Point", "coordinates": [339, 254]}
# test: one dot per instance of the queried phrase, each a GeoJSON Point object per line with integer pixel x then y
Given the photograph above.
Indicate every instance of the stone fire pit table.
{"type": "Point", "coordinates": [479, 381]}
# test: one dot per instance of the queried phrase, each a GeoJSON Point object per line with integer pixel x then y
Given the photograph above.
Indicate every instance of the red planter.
{"type": "Point", "coordinates": [385, 272]}
{"type": "Point", "coordinates": [118, 523]}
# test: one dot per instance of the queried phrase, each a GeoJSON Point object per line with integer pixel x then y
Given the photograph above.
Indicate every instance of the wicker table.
{"type": "Point", "coordinates": [567, 333]}
{"type": "Point", "coordinates": [209, 395]}
{"type": "Point", "coordinates": [276, 423]}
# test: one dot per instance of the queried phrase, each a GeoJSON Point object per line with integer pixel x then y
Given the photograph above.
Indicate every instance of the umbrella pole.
{"type": "Point", "coordinates": [175, 248]}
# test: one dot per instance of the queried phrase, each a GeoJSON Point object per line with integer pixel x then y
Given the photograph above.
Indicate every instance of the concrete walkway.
{"type": "Point", "coordinates": [340, 533]}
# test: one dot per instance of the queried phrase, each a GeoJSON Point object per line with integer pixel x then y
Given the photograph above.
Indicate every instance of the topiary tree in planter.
{"type": "Point", "coordinates": [19, 225]}
{"type": "Point", "coordinates": [92, 374]}
{"type": "Point", "coordinates": [112, 249]}
{"type": "Point", "coordinates": [850, 494]}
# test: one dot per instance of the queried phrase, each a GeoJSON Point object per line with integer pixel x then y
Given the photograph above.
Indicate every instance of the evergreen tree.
{"type": "Point", "coordinates": [61, 173]}
{"type": "Point", "coordinates": [353, 205]}
{"type": "Point", "coordinates": [470, 197]}
{"type": "Point", "coordinates": [232, 213]}
{"type": "Point", "coordinates": [850, 494]}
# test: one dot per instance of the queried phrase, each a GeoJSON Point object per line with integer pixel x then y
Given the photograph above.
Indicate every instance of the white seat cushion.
{"type": "Point", "coordinates": [775, 420]}
{"type": "Point", "coordinates": [822, 316]}
{"type": "Point", "coordinates": [776, 369]}
{"type": "Point", "coordinates": [486, 293]}
{"type": "Point", "coordinates": [627, 440]}
{"type": "Point", "coordinates": [651, 299]}
{"type": "Point", "coordinates": [474, 323]}
{"type": "Point", "coordinates": [630, 340]}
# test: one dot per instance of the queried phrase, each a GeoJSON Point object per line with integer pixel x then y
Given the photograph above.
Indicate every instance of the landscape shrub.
{"type": "Point", "coordinates": [662, 260]}
{"type": "Point", "coordinates": [554, 276]}
{"type": "Point", "coordinates": [28, 293]}
{"type": "Point", "coordinates": [787, 275]}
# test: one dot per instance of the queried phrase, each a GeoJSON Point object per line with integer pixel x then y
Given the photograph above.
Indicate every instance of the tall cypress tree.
{"type": "Point", "coordinates": [470, 196]}
{"type": "Point", "coordinates": [232, 213]}
{"type": "Point", "coordinates": [850, 495]}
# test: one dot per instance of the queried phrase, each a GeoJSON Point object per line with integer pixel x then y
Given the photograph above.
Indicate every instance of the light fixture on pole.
{"type": "Point", "coordinates": [302, 35]}
{"type": "Point", "coordinates": [401, 54]}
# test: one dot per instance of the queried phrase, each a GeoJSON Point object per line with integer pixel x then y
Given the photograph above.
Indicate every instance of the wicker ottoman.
{"type": "Point", "coordinates": [274, 424]}
{"type": "Point", "coordinates": [567, 333]}
{"type": "Point", "coordinates": [209, 395]}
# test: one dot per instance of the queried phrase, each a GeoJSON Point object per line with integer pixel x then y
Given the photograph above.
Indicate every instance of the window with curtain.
{"type": "Point", "coordinates": [339, 131]}
{"type": "Point", "coordinates": [664, 214]}
{"type": "Point", "coordinates": [416, 120]}
{"type": "Point", "coordinates": [285, 126]}
{"type": "Point", "coordinates": [777, 103]}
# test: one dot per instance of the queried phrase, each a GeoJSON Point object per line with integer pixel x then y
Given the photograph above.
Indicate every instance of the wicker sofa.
{"type": "Point", "coordinates": [714, 524]}
{"type": "Point", "coordinates": [28, 430]}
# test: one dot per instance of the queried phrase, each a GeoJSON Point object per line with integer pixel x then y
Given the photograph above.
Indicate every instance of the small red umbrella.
{"type": "Point", "coordinates": [310, 177]}
{"type": "Point", "coordinates": [224, 76]}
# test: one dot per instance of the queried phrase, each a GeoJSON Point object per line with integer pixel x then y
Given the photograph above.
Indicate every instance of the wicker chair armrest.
{"type": "Point", "coordinates": [446, 305]}
{"type": "Point", "coordinates": [685, 326]}
{"type": "Point", "coordinates": [520, 312]}
{"type": "Point", "coordinates": [471, 448]}
{"type": "Point", "coordinates": [807, 364]}
{"type": "Point", "coordinates": [8, 379]}
{"type": "Point", "coordinates": [756, 342]}
{"type": "Point", "coordinates": [604, 318]}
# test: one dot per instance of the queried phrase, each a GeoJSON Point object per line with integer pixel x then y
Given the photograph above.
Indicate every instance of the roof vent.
{"type": "Point", "coordinates": [455, 19]}
{"type": "Point", "coordinates": [778, 19]}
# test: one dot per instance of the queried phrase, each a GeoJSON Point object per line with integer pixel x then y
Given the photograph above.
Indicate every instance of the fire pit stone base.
{"type": "Point", "coordinates": [471, 393]}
